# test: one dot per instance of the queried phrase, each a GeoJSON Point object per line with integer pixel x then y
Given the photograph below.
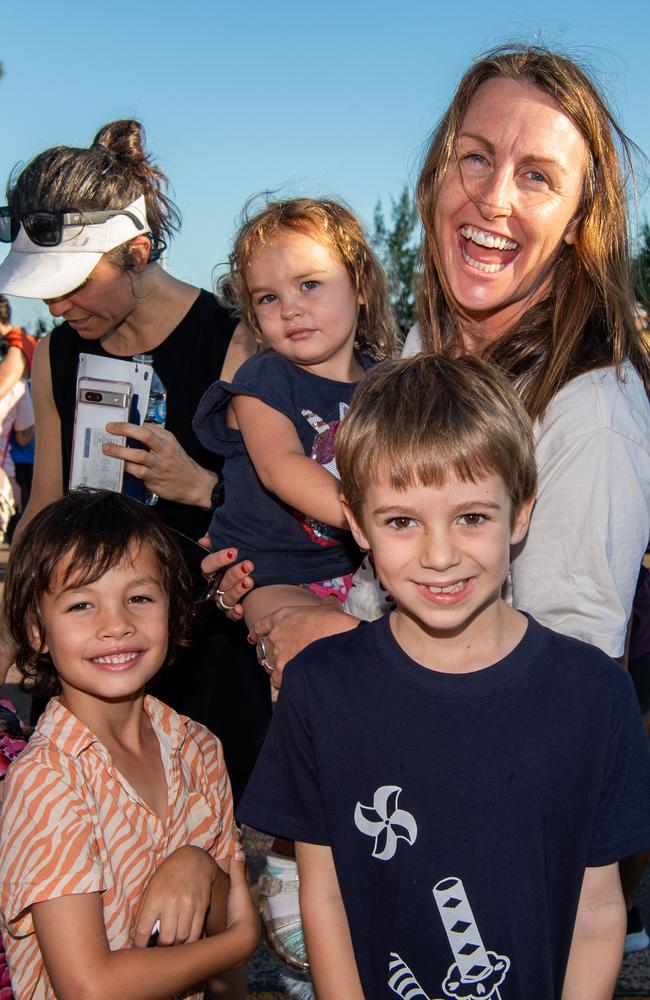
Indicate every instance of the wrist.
{"type": "Point", "coordinates": [205, 486]}
{"type": "Point", "coordinates": [243, 937]}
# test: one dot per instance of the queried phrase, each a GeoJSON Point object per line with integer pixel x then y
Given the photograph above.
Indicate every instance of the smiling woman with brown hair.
{"type": "Point", "coordinates": [526, 263]}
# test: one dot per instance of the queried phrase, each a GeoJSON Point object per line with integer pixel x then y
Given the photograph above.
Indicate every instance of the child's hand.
{"type": "Point", "coordinates": [178, 895]}
{"type": "Point", "coordinates": [242, 914]}
{"type": "Point", "coordinates": [231, 581]}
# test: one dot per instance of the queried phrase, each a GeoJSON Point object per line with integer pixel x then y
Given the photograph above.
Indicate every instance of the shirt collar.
{"type": "Point", "coordinates": [72, 737]}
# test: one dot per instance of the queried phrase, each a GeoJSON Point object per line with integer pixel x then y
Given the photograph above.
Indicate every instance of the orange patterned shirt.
{"type": "Point", "coordinates": [71, 823]}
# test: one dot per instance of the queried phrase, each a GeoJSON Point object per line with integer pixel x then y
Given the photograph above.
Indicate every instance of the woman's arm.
{"type": "Point", "coordinates": [280, 461]}
{"type": "Point", "coordinates": [72, 938]}
{"type": "Point", "coordinates": [327, 933]}
{"type": "Point", "coordinates": [598, 936]}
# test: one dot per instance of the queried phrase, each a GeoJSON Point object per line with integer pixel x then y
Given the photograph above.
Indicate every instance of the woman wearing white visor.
{"type": "Point", "coordinates": [87, 227]}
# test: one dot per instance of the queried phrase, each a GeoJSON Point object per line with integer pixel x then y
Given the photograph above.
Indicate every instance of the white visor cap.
{"type": "Point", "coordinates": [35, 272]}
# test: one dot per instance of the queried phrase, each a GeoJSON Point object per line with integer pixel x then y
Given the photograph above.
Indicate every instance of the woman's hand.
{"type": "Point", "coordinates": [178, 895]}
{"type": "Point", "coordinates": [287, 631]}
{"type": "Point", "coordinates": [231, 581]}
{"type": "Point", "coordinates": [165, 468]}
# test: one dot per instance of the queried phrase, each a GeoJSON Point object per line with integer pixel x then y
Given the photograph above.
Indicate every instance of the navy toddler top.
{"type": "Point", "coordinates": [285, 545]}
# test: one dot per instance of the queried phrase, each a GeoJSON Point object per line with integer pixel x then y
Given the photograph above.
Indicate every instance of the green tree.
{"type": "Point", "coordinates": [396, 241]}
{"type": "Point", "coordinates": [42, 325]}
{"type": "Point", "coordinates": [641, 267]}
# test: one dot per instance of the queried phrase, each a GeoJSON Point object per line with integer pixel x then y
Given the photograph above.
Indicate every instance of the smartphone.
{"type": "Point", "coordinates": [98, 402]}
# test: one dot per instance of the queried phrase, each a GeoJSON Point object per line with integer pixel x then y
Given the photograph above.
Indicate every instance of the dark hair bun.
{"type": "Point", "coordinates": [125, 139]}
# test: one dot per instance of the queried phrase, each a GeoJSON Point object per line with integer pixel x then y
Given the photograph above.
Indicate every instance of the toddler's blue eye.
{"type": "Point", "coordinates": [310, 284]}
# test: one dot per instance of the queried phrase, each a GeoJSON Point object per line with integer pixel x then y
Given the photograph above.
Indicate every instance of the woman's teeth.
{"type": "Point", "coordinates": [488, 239]}
{"type": "Point", "coordinates": [480, 266]}
{"type": "Point", "coordinates": [490, 242]}
{"type": "Point", "coordinates": [451, 588]}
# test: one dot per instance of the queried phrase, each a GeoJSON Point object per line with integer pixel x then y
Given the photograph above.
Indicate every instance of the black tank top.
{"type": "Point", "coordinates": [188, 361]}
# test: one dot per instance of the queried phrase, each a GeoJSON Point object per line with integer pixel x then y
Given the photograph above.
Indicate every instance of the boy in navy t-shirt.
{"type": "Point", "coordinates": [460, 781]}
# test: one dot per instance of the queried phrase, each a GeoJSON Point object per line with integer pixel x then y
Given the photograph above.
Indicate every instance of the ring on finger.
{"type": "Point", "coordinates": [222, 604]}
{"type": "Point", "coordinates": [267, 666]}
{"type": "Point", "coordinates": [261, 651]}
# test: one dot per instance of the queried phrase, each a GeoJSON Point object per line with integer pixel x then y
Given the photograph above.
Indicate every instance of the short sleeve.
{"type": "Point", "coordinates": [577, 568]}
{"type": "Point", "coordinates": [47, 842]}
{"type": "Point", "coordinates": [622, 824]}
{"type": "Point", "coordinates": [283, 796]}
{"type": "Point", "coordinates": [265, 376]}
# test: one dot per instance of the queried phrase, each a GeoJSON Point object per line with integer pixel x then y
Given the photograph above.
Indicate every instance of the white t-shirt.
{"type": "Point", "coordinates": [576, 570]}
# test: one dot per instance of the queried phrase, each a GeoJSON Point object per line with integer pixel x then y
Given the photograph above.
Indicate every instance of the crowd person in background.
{"type": "Point", "coordinates": [16, 431]}
{"type": "Point", "coordinates": [22, 446]}
{"type": "Point", "coordinates": [104, 280]}
{"type": "Point", "coordinates": [526, 264]}
{"type": "Point", "coordinates": [15, 368]}
{"type": "Point", "coordinates": [17, 362]}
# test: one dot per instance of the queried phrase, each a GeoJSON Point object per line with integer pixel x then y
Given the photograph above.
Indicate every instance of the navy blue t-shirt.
{"type": "Point", "coordinates": [285, 545]}
{"type": "Point", "coordinates": [461, 809]}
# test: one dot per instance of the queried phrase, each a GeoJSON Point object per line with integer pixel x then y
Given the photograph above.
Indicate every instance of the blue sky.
{"type": "Point", "coordinates": [331, 98]}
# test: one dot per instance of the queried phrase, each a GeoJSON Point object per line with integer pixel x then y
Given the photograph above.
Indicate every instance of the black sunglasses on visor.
{"type": "Point", "coordinates": [45, 229]}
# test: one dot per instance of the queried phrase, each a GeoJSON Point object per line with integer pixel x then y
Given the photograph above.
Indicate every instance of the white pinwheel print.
{"type": "Point", "coordinates": [385, 822]}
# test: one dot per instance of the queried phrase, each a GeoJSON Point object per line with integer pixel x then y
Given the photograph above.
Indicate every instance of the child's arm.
{"type": "Point", "coordinates": [276, 452]}
{"type": "Point", "coordinates": [327, 934]}
{"type": "Point", "coordinates": [598, 936]}
{"type": "Point", "coordinates": [72, 938]}
{"type": "Point", "coordinates": [264, 601]}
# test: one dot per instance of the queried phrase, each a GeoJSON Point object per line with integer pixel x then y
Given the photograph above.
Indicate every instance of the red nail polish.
{"type": "Point", "coordinates": [246, 584]}
{"type": "Point", "coordinates": [230, 554]}
{"type": "Point", "coordinates": [245, 568]}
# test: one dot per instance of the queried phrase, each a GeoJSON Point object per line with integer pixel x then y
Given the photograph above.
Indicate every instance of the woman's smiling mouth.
{"type": "Point", "coordinates": [489, 251]}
